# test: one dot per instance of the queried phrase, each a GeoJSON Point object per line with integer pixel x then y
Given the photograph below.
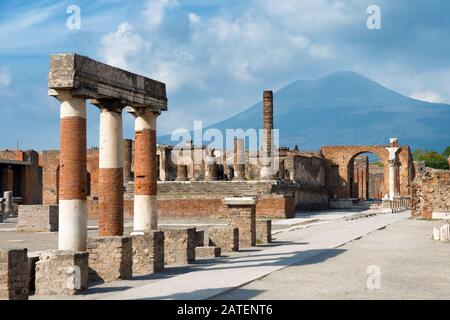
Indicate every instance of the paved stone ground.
{"type": "Point", "coordinates": [9, 238]}
{"type": "Point", "coordinates": [412, 266]}
{"type": "Point", "coordinates": [208, 278]}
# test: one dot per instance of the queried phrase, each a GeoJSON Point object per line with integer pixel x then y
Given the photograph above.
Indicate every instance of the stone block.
{"type": "Point", "coordinates": [38, 218]}
{"type": "Point", "coordinates": [88, 78]}
{"type": "Point", "coordinates": [227, 238]}
{"type": "Point", "coordinates": [14, 274]}
{"type": "Point", "coordinates": [263, 231]}
{"type": "Point", "coordinates": [200, 238]}
{"type": "Point", "coordinates": [61, 273]}
{"type": "Point", "coordinates": [148, 252]}
{"type": "Point", "coordinates": [110, 259]}
{"type": "Point", "coordinates": [179, 246]}
{"type": "Point", "coordinates": [207, 252]}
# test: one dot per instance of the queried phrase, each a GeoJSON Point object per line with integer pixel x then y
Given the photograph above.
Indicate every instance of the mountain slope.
{"type": "Point", "coordinates": [346, 108]}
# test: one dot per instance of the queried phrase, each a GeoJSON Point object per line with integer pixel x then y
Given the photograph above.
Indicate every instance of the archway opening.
{"type": "Point", "coordinates": [366, 177]}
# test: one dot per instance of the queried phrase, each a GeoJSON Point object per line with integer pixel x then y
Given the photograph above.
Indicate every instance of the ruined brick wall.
{"type": "Point", "coordinates": [269, 207]}
{"type": "Point", "coordinates": [431, 194]}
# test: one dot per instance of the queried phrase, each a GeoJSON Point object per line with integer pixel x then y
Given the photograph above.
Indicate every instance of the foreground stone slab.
{"type": "Point", "coordinates": [38, 218]}
{"type": "Point", "coordinates": [110, 259]}
{"type": "Point", "coordinates": [14, 274]}
{"type": "Point", "coordinates": [242, 215]}
{"type": "Point", "coordinates": [179, 246]}
{"type": "Point", "coordinates": [263, 231]}
{"type": "Point", "coordinates": [61, 273]}
{"type": "Point", "coordinates": [148, 252]}
{"type": "Point", "coordinates": [207, 252]}
{"type": "Point", "coordinates": [87, 78]}
{"type": "Point", "coordinates": [227, 238]}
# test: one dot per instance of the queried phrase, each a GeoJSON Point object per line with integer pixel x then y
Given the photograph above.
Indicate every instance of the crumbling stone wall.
{"type": "Point", "coordinates": [431, 194]}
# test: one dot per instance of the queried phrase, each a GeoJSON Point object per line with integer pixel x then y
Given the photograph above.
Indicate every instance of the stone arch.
{"type": "Point", "coordinates": [343, 157]}
{"type": "Point", "coordinates": [382, 155]}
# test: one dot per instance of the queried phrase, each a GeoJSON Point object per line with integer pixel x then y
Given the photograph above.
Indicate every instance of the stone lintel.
{"type": "Point", "coordinates": [239, 201]}
{"type": "Point", "coordinates": [90, 79]}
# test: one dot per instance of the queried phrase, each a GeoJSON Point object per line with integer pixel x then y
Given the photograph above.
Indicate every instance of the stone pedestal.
{"type": "Point", "coordinates": [242, 215]}
{"type": "Point", "coordinates": [61, 273]}
{"type": "Point", "coordinates": [148, 252]}
{"type": "Point", "coordinates": [179, 246]}
{"type": "Point", "coordinates": [263, 231]}
{"type": "Point", "coordinates": [110, 259]}
{"type": "Point", "coordinates": [14, 274]}
{"type": "Point", "coordinates": [38, 218]}
{"type": "Point", "coordinates": [207, 252]}
{"type": "Point", "coordinates": [227, 238]}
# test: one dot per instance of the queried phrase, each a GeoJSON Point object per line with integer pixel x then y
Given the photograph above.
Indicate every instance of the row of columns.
{"type": "Point", "coordinates": [73, 171]}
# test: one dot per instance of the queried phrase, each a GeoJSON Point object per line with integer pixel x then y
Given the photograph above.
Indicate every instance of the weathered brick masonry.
{"type": "Point", "coordinates": [431, 194]}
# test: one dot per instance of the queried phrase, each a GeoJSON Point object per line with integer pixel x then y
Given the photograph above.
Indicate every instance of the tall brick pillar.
{"type": "Point", "coordinates": [110, 174]}
{"type": "Point", "coordinates": [127, 159]}
{"type": "Point", "coordinates": [239, 159]}
{"type": "Point", "coordinates": [267, 171]}
{"type": "Point", "coordinates": [145, 171]}
{"type": "Point", "coordinates": [73, 173]}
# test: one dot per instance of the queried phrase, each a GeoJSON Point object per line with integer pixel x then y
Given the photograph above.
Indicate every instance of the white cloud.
{"type": "Point", "coordinates": [117, 48]}
{"type": "Point", "coordinates": [5, 77]}
{"type": "Point", "coordinates": [155, 11]}
{"type": "Point", "coordinates": [194, 18]}
{"type": "Point", "coordinates": [427, 96]}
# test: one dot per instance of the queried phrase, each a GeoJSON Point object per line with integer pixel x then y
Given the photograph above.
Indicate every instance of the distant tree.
{"type": "Point", "coordinates": [378, 163]}
{"type": "Point", "coordinates": [446, 152]}
{"type": "Point", "coordinates": [432, 159]}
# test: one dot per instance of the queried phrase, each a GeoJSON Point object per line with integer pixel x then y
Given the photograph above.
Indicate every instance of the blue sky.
{"type": "Point", "coordinates": [215, 56]}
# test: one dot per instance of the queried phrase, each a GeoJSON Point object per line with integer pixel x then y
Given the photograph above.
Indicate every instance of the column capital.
{"type": "Point", "coordinates": [113, 105]}
{"type": "Point", "coordinates": [138, 111]}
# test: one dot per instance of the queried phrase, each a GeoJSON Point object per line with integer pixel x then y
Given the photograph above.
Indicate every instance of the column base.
{"type": "Point", "coordinates": [148, 252]}
{"type": "Point", "coordinates": [110, 259]}
{"type": "Point", "coordinates": [61, 273]}
{"type": "Point", "coordinates": [179, 246]}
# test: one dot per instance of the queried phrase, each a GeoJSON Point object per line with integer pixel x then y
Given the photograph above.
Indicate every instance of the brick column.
{"type": "Point", "coordinates": [211, 167]}
{"type": "Point", "coordinates": [242, 215]}
{"type": "Point", "coordinates": [127, 159]}
{"type": "Point", "coordinates": [73, 172]}
{"type": "Point", "coordinates": [145, 171]}
{"type": "Point", "coordinates": [110, 174]}
{"type": "Point", "coordinates": [267, 165]}
{"type": "Point", "coordinates": [239, 159]}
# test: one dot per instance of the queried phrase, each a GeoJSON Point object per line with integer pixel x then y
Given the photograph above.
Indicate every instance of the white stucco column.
{"type": "Point", "coordinates": [145, 171]}
{"type": "Point", "coordinates": [392, 172]}
{"type": "Point", "coordinates": [73, 173]}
